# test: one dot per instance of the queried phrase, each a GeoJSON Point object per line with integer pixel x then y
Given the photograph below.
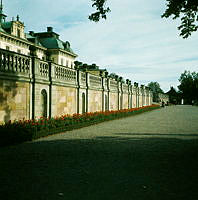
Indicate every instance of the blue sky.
{"type": "Point", "coordinates": [134, 42]}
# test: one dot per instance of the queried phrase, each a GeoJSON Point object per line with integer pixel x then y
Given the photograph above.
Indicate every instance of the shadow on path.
{"type": "Point", "coordinates": [159, 135]}
{"type": "Point", "coordinates": [117, 168]}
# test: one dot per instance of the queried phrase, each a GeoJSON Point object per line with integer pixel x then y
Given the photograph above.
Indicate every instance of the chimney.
{"type": "Point", "coordinates": [50, 29]}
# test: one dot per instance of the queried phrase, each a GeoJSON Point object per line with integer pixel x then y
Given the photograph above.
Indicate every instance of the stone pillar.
{"type": "Point", "coordinates": [87, 91]}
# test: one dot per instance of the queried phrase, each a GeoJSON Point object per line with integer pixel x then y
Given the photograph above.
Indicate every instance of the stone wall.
{"type": "Point", "coordinates": [38, 103]}
{"type": "Point", "coordinates": [14, 100]}
{"type": "Point", "coordinates": [32, 88]}
{"type": "Point", "coordinates": [113, 98]}
{"type": "Point", "coordinates": [94, 101]}
{"type": "Point", "coordinates": [125, 104]}
{"type": "Point", "coordinates": [63, 100]}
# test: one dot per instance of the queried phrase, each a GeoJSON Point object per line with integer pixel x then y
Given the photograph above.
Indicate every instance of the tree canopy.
{"type": "Point", "coordinates": [189, 86]}
{"type": "Point", "coordinates": [174, 96]}
{"type": "Point", "coordinates": [101, 10]}
{"type": "Point", "coordinates": [186, 10]}
{"type": "Point", "coordinates": [155, 88]}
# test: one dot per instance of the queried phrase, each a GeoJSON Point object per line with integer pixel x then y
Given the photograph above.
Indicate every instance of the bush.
{"type": "Point", "coordinates": [27, 130]}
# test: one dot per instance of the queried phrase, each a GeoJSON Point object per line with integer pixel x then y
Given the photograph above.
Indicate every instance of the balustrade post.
{"type": "Point", "coordinates": [4, 61]}
{"type": "Point", "coordinates": [8, 62]}
{"type": "Point", "coordinates": [12, 63]}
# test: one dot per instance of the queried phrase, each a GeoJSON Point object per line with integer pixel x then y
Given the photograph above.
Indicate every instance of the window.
{"type": "Point", "coordinates": [61, 61]}
{"type": "Point", "coordinates": [7, 48]}
{"type": "Point", "coordinates": [18, 51]}
{"type": "Point", "coordinates": [18, 33]}
{"type": "Point", "coordinates": [67, 63]}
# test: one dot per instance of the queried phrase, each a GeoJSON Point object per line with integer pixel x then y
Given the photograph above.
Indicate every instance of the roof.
{"type": "Point", "coordinates": [28, 36]}
{"type": "Point", "coordinates": [50, 40]}
{"type": "Point", "coordinates": [6, 25]}
{"type": "Point", "coordinates": [51, 43]}
{"type": "Point", "coordinates": [55, 43]}
{"type": "Point", "coordinates": [2, 30]}
{"type": "Point", "coordinates": [33, 39]}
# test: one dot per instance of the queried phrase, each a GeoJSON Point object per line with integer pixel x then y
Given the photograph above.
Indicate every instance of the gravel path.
{"type": "Point", "coordinates": [150, 156]}
{"type": "Point", "coordinates": [169, 122]}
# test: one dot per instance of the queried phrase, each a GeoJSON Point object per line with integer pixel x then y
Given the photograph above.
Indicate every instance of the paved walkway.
{"type": "Point", "coordinates": [150, 156]}
{"type": "Point", "coordinates": [172, 122]}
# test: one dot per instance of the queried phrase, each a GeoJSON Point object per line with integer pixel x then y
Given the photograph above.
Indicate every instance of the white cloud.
{"type": "Point", "coordinates": [134, 42]}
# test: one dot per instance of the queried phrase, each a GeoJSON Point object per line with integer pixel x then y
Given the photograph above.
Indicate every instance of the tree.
{"type": "Point", "coordinates": [155, 88]}
{"type": "Point", "coordinates": [189, 86]}
{"type": "Point", "coordinates": [101, 10]}
{"type": "Point", "coordinates": [174, 96]}
{"type": "Point", "coordinates": [186, 10]}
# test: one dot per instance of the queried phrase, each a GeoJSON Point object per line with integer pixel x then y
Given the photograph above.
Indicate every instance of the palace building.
{"type": "Point", "coordinates": [40, 77]}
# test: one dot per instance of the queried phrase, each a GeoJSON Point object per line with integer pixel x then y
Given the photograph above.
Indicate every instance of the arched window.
{"type": "Point", "coordinates": [83, 102]}
{"type": "Point", "coordinates": [44, 103]}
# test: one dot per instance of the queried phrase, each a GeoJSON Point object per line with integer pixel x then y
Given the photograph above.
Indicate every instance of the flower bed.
{"type": "Point", "coordinates": [27, 130]}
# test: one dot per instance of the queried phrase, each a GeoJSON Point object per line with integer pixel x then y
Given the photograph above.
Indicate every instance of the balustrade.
{"type": "Point", "coordinates": [44, 69]}
{"type": "Point", "coordinates": [83, 78]}
{"type": "Point", "coordinates": [113, 85]}
{"type": "Point", "coordinates": [14, 63]}
{"type": "Point", "coordinates": [64, 73]}
{"type": "Point", "coordinates": [95, 81]}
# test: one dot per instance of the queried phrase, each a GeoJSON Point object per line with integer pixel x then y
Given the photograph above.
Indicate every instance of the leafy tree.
{"type": "Point", "coordinates": [186, 10]}
{"type": "Point", "coordinates": [174, 96]}
{"type": "Point", "coordinates": [155, 88]}
{"type": "Point", "coordinates": [189, 86]}
{"type": "Point", "coordinates": [101, 10]}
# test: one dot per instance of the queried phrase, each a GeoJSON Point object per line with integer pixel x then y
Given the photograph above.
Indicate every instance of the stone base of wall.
{"type": "Point", "coordinates": [64, 100]}
{"type": "Point", "coordinates": [125, 103]}
{"type": "Point", "coordinates": [14, 100]}
{"type": "Point", "coordinates": [113, 101]}
{"type": "Point", "coordinates": [94, 101]}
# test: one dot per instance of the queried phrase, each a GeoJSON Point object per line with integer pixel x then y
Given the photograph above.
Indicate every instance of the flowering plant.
{"type": "Point", "coordinates": [24, 130]}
